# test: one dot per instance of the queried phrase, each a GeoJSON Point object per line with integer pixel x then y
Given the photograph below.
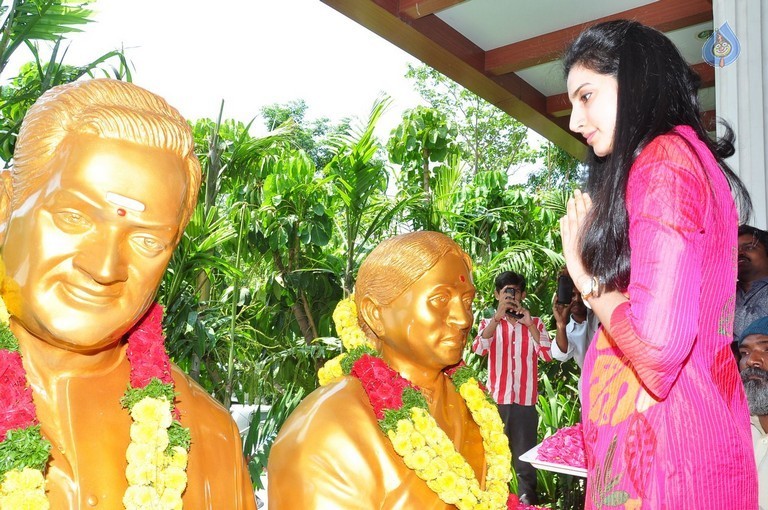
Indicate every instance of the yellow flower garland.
{"type": "Point", "coordinates": [426, 448]}
{"type": "Point", "coordinates": [156, 479]}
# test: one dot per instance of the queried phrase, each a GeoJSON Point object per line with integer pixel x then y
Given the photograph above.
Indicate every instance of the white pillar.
{"type": "Point", "coordinates": [742, 97]}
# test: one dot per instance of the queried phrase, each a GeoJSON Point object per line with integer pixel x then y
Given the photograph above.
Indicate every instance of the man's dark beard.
{"type": "Point", "coordinates": [756, 390]}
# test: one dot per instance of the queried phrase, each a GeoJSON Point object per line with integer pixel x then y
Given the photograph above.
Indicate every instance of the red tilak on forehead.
{"type": "Point", "coordinates": [461, 277]}
{"type": "Point", "coordinates": [121, 212]}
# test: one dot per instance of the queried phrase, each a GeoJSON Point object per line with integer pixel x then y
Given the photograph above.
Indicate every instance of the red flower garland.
{"type": "Point", "coordinates": [146, 350]}
{"type": "Point", "coordinates": [383, 385]}
{"type": "Point", "coordinates": [17, 410]}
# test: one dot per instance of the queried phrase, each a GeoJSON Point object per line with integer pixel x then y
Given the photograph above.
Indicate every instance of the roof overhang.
{"type": "Point", "coordinates": [509, 52]}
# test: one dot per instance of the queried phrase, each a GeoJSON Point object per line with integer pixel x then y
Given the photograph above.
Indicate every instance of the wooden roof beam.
{"type": "Point", "coordinates": [559, 105]}
{"type": "Point", "coordinates": [436, 43]}
{"type": "Point", "coordinates": [415, 9]}
{"type": "Point", "coordinates": [664, 15]}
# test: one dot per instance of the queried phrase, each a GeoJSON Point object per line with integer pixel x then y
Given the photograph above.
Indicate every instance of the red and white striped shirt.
{"type": "Point", "coordinates": [513, 372]}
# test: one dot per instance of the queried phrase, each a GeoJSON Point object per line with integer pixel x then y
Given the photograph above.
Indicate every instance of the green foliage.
{"type": "Point", "coordinates": [155, 389]}
{"type": "Point", "coordinates": [24, 448]}
{"type": "Point", "coordinates": [560, 170]}
{"type": "Point", "coordinates": [262, 432]}
{"type": "Point", "coordinates": [489, 138]}
{"type": "Point", "coordinates": [314, 137]}
{"type": "Point", "coordinates": [178, 435]}
{"type": "Point", "coordinates": [26, 23]}
{"type": "Point", "coordinates": [412, 398]}
{"type": "Point", "coordinates": [8, 340]}
{"type": "Point", "coordinates": [559, 406]}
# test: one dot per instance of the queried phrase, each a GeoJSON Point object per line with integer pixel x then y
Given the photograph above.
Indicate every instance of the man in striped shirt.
{"type": "Point", "coordinates": [514, 341]}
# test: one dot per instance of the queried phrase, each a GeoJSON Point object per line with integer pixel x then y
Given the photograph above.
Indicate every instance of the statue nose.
{"type": "Point", "coordinates": [102, 257]}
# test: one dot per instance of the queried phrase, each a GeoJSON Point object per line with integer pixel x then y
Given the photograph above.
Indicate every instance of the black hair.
{"type": "Point", "coordinates": [509, 278]}
{"type": "Point", "coordinates": [657, 90]}
{"type": "Point", "coordinates": [760, 235]}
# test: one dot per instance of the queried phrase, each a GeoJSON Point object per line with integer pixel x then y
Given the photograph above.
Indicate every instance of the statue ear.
{"type": "Point", "coordinates": [6, 192]}
{"type": "Point", "coordinates": [371, 314]}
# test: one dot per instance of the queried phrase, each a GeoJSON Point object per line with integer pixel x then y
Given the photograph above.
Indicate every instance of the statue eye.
{"type": "Point", "coordinates": [71, 221]}
{"type": "Point", "coordinates": [148, 244]}
{"type": "Point", "coordinates": [440, 299]}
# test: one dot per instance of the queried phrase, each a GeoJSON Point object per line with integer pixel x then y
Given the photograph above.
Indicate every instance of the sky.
{"type": "Point", "coordinates": [250, 53]}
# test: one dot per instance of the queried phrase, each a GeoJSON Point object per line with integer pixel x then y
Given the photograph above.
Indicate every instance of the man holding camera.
{"type": "Point", "coordinates": [576, 324]}
{"type": "Point", "coordinates": [514, 341]}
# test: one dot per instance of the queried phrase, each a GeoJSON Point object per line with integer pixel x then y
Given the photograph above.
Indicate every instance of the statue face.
{"type": "Point", "coordinates": [427, 325]}
{"type": "Point", "coordinates": [89, 249]}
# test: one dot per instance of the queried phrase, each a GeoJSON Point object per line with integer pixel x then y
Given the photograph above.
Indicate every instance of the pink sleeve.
{"type": "Point", "coordinates": [667, 201]}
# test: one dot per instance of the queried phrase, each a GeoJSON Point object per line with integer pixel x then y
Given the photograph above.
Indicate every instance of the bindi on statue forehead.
{"type": "Point", "coordinates": [124, 203]}
{"type": "Point", "coordinates": [462, 278]}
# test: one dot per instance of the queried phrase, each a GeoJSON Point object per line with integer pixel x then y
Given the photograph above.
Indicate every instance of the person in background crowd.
{"type": "Point", "coordinates": [576, 326]}
{"type": "Point", "coordinates": [652, 248]}
{"type": "Point", "coordinates": [752, 288]}
{"type": "Point", "coordinates": [514, 341]}
{"type": "Point", "coordinates": [753, 352]}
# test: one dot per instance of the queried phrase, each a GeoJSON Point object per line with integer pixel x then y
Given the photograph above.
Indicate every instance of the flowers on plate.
{"type": "Point", "coordinates": [566, 446]}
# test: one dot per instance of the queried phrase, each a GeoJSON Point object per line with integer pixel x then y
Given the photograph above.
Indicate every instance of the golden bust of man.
{"type": "Point", "coordinates": [103, 182]}
{"type": "Point", "coordinates": [414, 297]}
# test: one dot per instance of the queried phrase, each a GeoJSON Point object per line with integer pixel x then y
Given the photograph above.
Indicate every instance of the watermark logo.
{"type": "Point", "coordinates": [722, 48]}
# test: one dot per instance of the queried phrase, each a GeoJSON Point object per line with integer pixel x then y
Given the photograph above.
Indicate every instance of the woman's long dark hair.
{"type": "Point", "coordinates": [657, 90]}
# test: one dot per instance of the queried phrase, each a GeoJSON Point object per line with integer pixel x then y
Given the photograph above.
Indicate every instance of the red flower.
{"type": "Point", "coordinates": [566, 446]}
{"type": "Point", "coordinates": [383, 385]}
{"type": "Point", "coordinates": [17, 410]}
{"type": "Point", "coordinates": [146, 349]}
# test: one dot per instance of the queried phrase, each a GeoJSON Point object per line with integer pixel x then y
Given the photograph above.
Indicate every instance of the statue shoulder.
{"type": "Point", "coordinates": [342, 403]}
{"type": "Point", "coordinates": [196, 403]}
{"type": "Point", "coordinates": [332, 441]}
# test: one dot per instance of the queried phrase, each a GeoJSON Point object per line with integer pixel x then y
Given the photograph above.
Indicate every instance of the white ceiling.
{"type": "Point", "coordinates": [494, 23]}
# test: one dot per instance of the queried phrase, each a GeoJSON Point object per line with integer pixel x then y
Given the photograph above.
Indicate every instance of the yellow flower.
{"type": "Point", "coordinates": [331, 370]}
{"type": "Point", "coordinates": [405, 427]}
{"type": "Point", "coordinates": [5, 317]}
{"type": "Point", "coordinates": [418, 441]}
{"type": "Point", "coordinates": [173, 478]}
{"type": "Point", "coordinates": [27, 479]}
{"type": "Point", "coordinates": [433, 436]}
{"type": "Point", "coordinates": [430, 472]}
{"type": "Point", "coordinates": [139, 497]}
{"type": "Point", "coordinates": [178, 458]}
{"type": "Point", "coordinates": [153, 410]}
{"type": "Point", "coordinates": [137, 453]}
{"type": "Point", "coordinates": [141, 473]}
{"type": "Point", "coordinates": [347, 326]}
{"type": "Point", "coordinates": [11, 294]}
{"type": "Point", "coordinates": [455, 460]}
{"type": "Point", "coordinates": [171, 500]}
{"type": "Point", "coordinates": [417, 460]}
{"type": "Point", "coordinates": [400, 442]}
{"type": "Point", "coordinates": [444, 446]}
{"type": "Point", "coordinates": [25, 500]}
{"type": "Point", "coordinates": [144, 432]}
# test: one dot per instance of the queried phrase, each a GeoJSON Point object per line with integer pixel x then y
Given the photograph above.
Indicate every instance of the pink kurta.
{"type": "Point", "coordinates": [666, 422]}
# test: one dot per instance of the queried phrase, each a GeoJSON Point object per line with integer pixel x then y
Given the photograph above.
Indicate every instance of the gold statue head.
{"type": "Point", "coordinates": [414, 294]}
{"type": "Point", "coordinates": [108, 109]}
{"type": "Point", "coordinates": [103, 182]}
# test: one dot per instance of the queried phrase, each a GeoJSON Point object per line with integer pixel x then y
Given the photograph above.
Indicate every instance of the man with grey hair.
{"type": "Point", "coordinates": [753, 351]}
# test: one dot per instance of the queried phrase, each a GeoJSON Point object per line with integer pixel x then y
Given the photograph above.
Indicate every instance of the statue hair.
{"type": "Point", "coordinates": [108, 109]}
{"type": "Point", "coordinates": [397, 263]}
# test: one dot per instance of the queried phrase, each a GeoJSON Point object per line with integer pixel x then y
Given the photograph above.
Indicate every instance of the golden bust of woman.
{"type": "Point", "coordinates": [414, 297]}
